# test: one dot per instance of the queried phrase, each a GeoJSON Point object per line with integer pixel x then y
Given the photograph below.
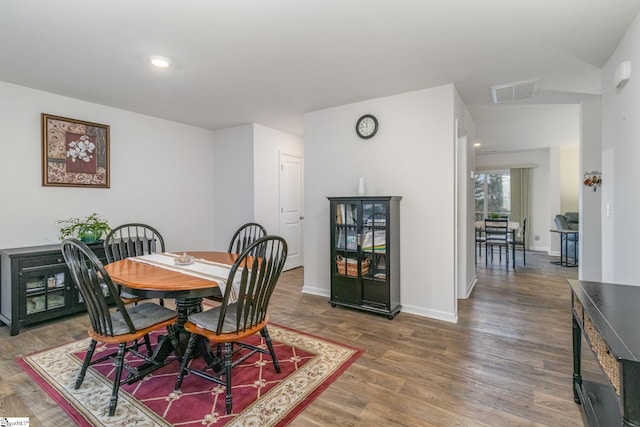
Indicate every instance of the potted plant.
{"type": "Point", "coordinates": [88, 230]}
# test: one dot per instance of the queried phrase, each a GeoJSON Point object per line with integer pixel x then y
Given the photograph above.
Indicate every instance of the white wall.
{"type": "Point", "coordinates": [590, 243]}
{"type": "Point", "coordinates": [233, 182]}
{"type": "Point", "coordinates": [620, 171]}
{"type": "Point", "coordinates": [570, 178]}
{"type": "Point", "coordinates": [161, 173]}
{"type": "Point", "coordinates": [247, 179]}
{"type": "Point", "coordinates": [412, 156]}
{"type": "Point", "coordinates": [511, 127]}
{"type": "Point", "coordinates": [466, 276]}
{"type": "Point", "coordinates": [268, 144]}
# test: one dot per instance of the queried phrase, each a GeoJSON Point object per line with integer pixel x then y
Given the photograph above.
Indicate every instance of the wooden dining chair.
{"type": "Point", "coordinates": [235, 320]}
{"type": "Point", "coordinates": [243, 237]}
{"type": "Point", "coordinates": [126, 326]}
{"type": "Point", "coordinates": [496, 235]}
{"type": "Point", "coordinates": [130, 240]}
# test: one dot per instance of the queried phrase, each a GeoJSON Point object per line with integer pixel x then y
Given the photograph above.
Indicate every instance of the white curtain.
{"type": "Point", "coordinates": [520, 178]}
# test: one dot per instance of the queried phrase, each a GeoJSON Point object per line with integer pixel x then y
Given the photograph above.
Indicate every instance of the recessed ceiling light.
{"type": "Point", "coordinates": [477, 144]}
{"type": "Point", "coordinates": [159, 61]}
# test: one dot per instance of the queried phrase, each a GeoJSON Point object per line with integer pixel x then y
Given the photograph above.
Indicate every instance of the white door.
{"type": "Point", "coordinates": [291, 205]}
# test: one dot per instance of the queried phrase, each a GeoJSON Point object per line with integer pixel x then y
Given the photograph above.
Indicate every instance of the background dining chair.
{"type": "Point", "coordinates": [496, 235]}
{"type": "Point", "coordinates": [123, 326]}
{"type": "Point", "coordinates": [243, 237]}
{"type": "Point", "coordinates": [235, 320]}
{"type": "Point", "coordinates": [130, 240]}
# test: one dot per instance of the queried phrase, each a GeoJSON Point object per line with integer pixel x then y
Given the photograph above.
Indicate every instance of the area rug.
{"type": "Point", "coordinates": [261, 397]}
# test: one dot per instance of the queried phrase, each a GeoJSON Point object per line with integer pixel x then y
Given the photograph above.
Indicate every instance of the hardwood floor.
{"type": "Point", "coordinates": [507, 362]}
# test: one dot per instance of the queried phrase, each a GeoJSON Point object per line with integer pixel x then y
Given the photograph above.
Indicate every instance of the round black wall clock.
{"type": "Point", "coordinates": [367, 126]}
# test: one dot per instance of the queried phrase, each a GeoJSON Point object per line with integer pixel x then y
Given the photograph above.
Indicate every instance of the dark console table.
{"type": "Point", "coordinates": [608, 316]}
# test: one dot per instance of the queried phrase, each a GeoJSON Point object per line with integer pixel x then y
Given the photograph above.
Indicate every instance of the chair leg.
{"type": "Point", "coordinates": [86, 363]}
{"type": "Point", "coordinates": [228, 351]}
{"type": "Point", "coordinates": [506, 254]}
{"type": "Point", "coordinates": [147, 343]}
{"type": "Point", "coordinates": [116, 381]}
{"type": "Point", "coordinates": [265, 333]}
{"type": "Point", "coordinates": [185, 360]}
{"type": "Point", "coordinates": [486, 255]}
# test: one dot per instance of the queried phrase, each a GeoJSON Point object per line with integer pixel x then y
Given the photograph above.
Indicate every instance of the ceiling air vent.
{"type": "Point", "coordinates": [512, 91]}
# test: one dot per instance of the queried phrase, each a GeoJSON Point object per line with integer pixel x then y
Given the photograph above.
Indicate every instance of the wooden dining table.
{"type": "Point", "coordinates": [150, 281]}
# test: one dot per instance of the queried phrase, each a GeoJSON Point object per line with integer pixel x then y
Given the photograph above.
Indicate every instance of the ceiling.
{"type": "Point", "coordinates": [270, 61]}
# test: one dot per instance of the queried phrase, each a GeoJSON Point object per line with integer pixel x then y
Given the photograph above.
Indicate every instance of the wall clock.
{"type": "Point", "coordinates": [367, 126]}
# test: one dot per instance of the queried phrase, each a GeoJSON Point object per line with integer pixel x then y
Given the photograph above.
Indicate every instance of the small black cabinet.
{"type": "Point", "coordinates": [365, 253]}
{"type": "Point", "coordinates": [35, 285]}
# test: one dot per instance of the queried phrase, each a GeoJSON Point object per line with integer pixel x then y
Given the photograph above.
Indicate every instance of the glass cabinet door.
{"type": "Point", "coordinates": [45, 291]}
{"type": "Point", "coordinates": [347, 238]}
{"type": "Point", "coordinates": [374, 241]}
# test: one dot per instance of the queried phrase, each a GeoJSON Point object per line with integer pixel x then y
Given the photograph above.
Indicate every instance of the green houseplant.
{"type": "Point", "coordinates": [89, 229]}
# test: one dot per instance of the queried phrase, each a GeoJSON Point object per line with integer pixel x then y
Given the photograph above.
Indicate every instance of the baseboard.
{"type": "Point", "coordinates": [420, 311]}
{"type": "Point", "coordinates": [469, 289]}
{"type": "Point", "coordinates": [433, 314]}
{"type": "Point", "coordinates": [316, 291]}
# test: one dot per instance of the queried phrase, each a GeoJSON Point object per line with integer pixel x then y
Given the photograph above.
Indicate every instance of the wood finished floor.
{"type": "Point", "coordinates": [507, 362]}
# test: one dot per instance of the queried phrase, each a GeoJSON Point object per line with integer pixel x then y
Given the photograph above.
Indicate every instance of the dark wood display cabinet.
{"type": "Point", "coordinates": [365, 253]}
{"type": "Point", "coordinates": [35, 285]}
{"type": "Point", "coordinates": [607, 316]}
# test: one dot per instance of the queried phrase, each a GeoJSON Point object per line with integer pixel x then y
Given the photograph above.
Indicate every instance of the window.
{"type": "Point", "coordinates": [493, 194]}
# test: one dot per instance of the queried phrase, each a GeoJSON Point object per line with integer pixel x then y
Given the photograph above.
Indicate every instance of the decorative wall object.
{"type": "Point", "coordinates": [75, 153]}
{"type": "Point", "coordinates": [593, 179]}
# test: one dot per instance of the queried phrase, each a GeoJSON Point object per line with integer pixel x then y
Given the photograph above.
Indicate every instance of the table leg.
{"type": "Point", "coordinates": [577, 349]}
{"type": "Point", "coordinates": [185, 307]}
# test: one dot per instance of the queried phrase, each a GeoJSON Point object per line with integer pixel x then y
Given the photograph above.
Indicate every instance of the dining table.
{"type": "Point", "coordinates": [148, 278]}
{"type": "Point", "coordinates": [514, 229]}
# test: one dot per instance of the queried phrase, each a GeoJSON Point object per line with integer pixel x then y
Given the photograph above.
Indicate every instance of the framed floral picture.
{"type": "Point", "coordinates": [75, 153]}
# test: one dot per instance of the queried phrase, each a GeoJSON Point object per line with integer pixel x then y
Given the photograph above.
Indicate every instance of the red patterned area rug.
{"type": "Point", "coordinates": [261, 397]}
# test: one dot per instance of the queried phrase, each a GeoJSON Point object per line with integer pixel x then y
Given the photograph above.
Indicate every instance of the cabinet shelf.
{"type": "Point", "coordinates": [365, 232]}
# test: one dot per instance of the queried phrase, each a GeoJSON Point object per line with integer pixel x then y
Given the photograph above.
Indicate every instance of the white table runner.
{"type": "Point", "coordinates": [208, 270]}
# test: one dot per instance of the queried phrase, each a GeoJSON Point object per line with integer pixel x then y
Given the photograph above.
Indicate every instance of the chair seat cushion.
{"type": "Point", "coordinates": [127, 295]}
{"type": "Point", "coordinates": [142, 316]}
{"type": "Point", "coordinates": [209, 319]}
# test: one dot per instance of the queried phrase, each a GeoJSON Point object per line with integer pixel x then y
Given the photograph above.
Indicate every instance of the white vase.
{"type": "Point", "coordinates": [362, 190]}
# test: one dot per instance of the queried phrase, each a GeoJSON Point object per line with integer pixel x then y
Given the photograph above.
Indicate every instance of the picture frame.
{"type": "Point", "coordinates": [75, 153]}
